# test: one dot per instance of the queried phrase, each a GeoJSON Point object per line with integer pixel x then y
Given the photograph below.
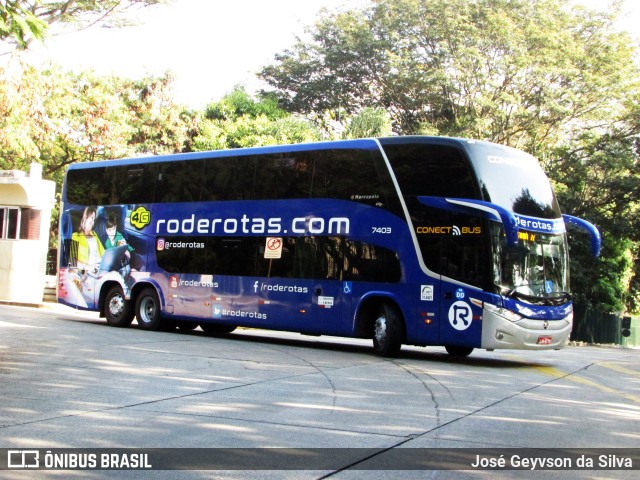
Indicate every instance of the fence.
{"type": "Point", "coordinates": [594, 326]}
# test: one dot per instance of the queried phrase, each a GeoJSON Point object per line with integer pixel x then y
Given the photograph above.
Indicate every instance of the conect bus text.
{"type": "Point", "coordinates": [245, 224]}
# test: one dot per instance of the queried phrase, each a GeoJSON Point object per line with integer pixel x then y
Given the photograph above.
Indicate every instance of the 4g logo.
{"type": "Point", "coordinates": [140, 218]}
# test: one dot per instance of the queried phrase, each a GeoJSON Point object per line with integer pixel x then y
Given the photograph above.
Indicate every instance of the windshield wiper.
{"type": "Point", "coordinates": [558, 298]}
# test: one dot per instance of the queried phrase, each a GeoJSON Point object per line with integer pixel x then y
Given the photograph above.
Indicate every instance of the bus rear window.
{"type": "Point", "coordinates": [123, 184]}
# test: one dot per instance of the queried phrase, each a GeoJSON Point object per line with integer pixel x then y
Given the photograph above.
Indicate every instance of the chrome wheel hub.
{"type": "Point", "coordinates": [380, 329]}
{"type": "Point", "coordinates": [116, 306]}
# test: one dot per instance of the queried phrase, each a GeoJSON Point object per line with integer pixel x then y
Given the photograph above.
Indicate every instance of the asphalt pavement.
{"type": "Point", "coordinates": [69, 381]}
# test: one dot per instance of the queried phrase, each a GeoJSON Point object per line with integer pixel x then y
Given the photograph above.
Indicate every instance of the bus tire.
{"type": "Point", "coordinates": [117, 309]}
{"type": "Point", "coordinates": [388, 331]}
{"type": "Point", "coordinates": [456, 351]}
{"type": "Point", "coordinates": [217, 328]}
{"type": "Point", "coordinates": [148, 310]}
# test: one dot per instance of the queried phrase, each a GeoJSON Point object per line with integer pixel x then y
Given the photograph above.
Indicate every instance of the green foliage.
{"type": "Point", "coordinates": [58, 118]}
{"type": "Point", "coordinates": [554, 79]}
{"type": "Point", "coordinates": [21, 21]}
{"type": "Point", "coordinates": [158, 125]}
{"type": "Point", "coordinates": [515, 72]}
{"type": "Point", "coordinates": [238, 120]}
{"type": "Point", "coordinates": [19, 25]}
{"type": "Point", "coordinates": [53, 117]}
{"type": "Point", "coordinates": [605, 281]}
{"type": "Point", "coordinates": [598, 177]}
{"type": "Point", "coordinates": [371, 122]}
{"type": "Point", "coordinates": [239, 103]}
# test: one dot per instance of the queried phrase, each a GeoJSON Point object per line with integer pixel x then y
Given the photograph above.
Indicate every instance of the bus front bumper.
{"type": "Point", "coordinates": [499, 331]}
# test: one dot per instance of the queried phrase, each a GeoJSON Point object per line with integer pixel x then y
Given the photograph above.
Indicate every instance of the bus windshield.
{"type": "Point", "coordinates": [536, 270]}
{"type": "Point", "coordinates": [514, 180]}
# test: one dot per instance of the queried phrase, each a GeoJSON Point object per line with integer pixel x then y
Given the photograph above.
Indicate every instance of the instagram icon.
{"type": "Point", "coordinates": [160, 244]}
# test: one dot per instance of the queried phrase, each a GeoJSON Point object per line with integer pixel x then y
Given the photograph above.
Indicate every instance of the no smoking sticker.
{"type": "Point", "coordinates": [273, 247]}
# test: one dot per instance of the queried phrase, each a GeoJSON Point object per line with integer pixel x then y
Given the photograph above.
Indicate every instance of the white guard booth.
{"type": "Point", "coordinates": [26, 202]}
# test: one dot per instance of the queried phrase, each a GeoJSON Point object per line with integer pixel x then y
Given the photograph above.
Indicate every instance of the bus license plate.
{"type": "Point", "coordinates": [544, 340]}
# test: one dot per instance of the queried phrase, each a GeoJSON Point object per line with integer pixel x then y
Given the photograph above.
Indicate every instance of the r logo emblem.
{"type": "Point", "coordinates": [460, 315]}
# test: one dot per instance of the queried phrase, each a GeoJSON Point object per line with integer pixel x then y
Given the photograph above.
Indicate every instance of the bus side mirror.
{"type": "Point", "coordinates": [594, 234]}
{"type": "Point", "coordinates": [626, 326]}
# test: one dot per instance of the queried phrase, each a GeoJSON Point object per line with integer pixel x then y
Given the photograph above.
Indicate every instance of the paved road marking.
{"type": "Point", "coordinates": [574, 377]}
{"type": "Point", "coordinates": [16, 325]}
{"type": "Point", "coordinates": [616, 367]}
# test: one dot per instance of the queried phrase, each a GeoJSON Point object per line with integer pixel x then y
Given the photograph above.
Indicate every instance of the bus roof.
{"type": "Point", "coordinates": [236, 152]}
{"type": "Point", "coordinates": [365, 143]}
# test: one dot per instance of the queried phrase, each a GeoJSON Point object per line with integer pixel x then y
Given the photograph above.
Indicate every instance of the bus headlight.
{"type": "Point", "coordinates": [503, 312]}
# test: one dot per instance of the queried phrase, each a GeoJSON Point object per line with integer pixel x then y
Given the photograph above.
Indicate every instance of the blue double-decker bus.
{"type": "Point", "coordinates": [404, 240]}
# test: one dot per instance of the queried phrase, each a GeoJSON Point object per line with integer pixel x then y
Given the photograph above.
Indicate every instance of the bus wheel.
{"type": "Point", "coordinates": [387, 331]}
{"type": "Point", "coordinates": [458, 351]}
{"type": "Point", "coordinates": [217, 328]}
{"type": "Point", "coordinates": [148, 310]}
{"type": "Point", "coordinates": [117, 309]}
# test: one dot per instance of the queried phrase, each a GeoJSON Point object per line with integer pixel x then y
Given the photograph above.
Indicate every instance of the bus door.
{"type": "Point", "coordinates": [460, 316]}
{"type": "Point", "coordinates": [463, 265]}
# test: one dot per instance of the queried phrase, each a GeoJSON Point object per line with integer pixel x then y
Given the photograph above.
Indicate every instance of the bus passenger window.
{"type": "Point", "coordinates": [179, 181]}
{"type": "Point", "coordinates": [433, 170]}
{"type": "Point", "coordinates": [234, 256]}
{"type": "Point", "coordinates": [371, 263]}
{"type": "Point", "coordinates": [356, 175]}
{"type": "Point", "coordinates": [283, 176]}
{"type": "Point", "coordinates": [228, 178]}
{"type": "Point", "coordinates": [134, 184]}
{"type": "Point", "coordinates": [93, 186]}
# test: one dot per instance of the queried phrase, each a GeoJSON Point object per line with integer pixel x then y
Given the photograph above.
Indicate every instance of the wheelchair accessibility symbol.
{"type": "Point", "coordinates": [460, 315]}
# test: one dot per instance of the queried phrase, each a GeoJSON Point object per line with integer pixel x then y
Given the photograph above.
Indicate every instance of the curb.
{"type": "Point", "coordinates": [40, 305]}
{"type": "Point", "coordinates": [22, 304]}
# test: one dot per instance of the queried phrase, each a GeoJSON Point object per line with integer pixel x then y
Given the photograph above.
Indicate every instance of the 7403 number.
{"type": "Point", "coordinates": [386, 230]}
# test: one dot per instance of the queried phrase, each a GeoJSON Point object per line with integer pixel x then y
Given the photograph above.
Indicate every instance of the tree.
{"type": "Point", "coordinates": [158, 125]}
{"type": "Point", "coordinates": [21, 21]}
{"type": "Point", "coordinates": [19, 25]}
{"type": "Point", "coordinates": [513, 71]}
{"type": "Point", "coordinates": [58, 118]}
{"type": "Point", "coordinates": [557, 81]}
{"type": "Point", "coordinates": [371, 122]}
{"type": "Point", "coordinates": [597, 176]}
{"type": "Point", "coordinates": [238, 120]}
